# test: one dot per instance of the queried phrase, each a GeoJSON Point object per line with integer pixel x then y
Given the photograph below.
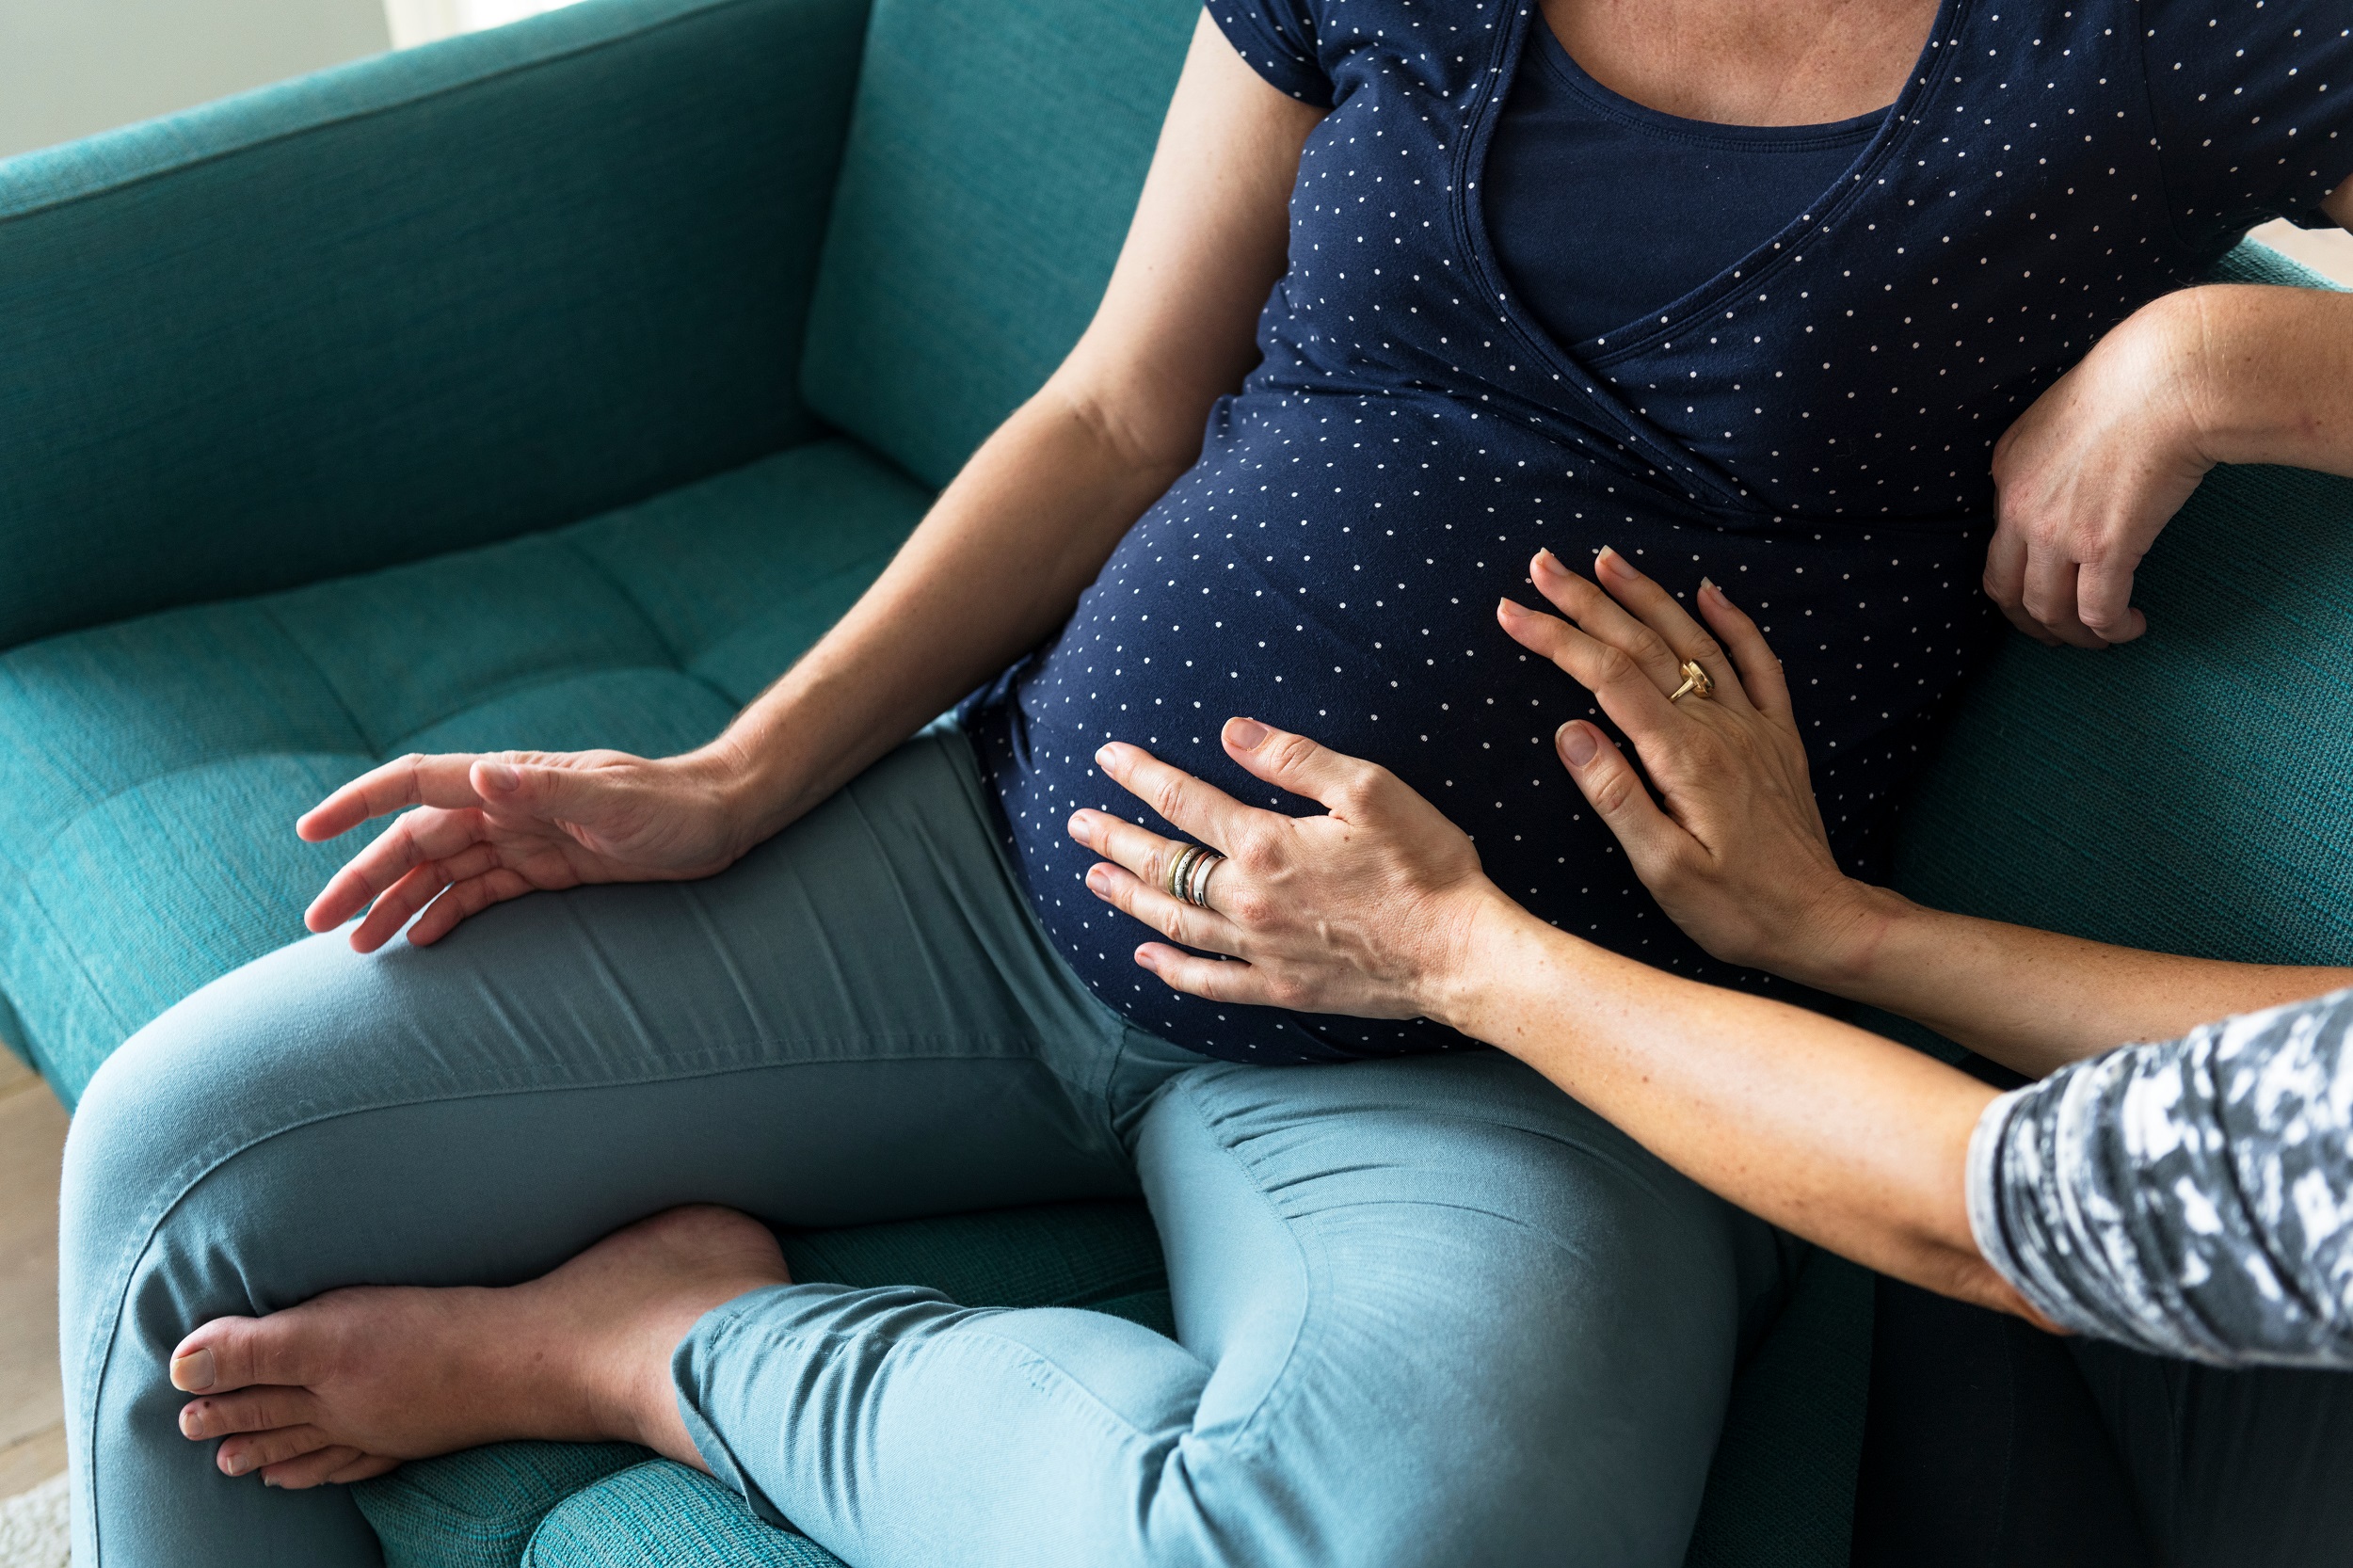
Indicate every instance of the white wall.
{"type": "Point", "coordinates": [71, 66]}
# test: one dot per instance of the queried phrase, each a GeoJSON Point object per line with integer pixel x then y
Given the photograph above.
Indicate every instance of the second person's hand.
{"type": "Point", "coordinates": [481, 828]}
{"type": "Point", "coordinates": [1734, 847]}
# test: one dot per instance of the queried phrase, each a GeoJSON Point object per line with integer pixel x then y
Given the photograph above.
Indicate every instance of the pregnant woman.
{"type": "Point", "coordinates": [1750, 288]}
{"type": "Point", "coordinates": [2185, 1206]}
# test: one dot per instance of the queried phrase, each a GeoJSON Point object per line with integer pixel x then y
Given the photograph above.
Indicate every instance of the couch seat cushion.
{"type": "Point", "coordinates": [150, 771]}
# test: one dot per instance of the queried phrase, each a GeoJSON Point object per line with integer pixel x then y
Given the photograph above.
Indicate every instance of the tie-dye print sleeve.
{"type": "Point", "coordinates": [2191, 1199]}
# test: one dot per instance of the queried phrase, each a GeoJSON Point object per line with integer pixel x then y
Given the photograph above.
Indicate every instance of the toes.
{"type": "Point", "coordinates": [315, 1469]}
{"type": "Point", "coordinates": [235, 1353]}
{"type": "Point", "coordinates": [249, 1451]}
{"type": "Point", "coordinates": [366, 1468]}
{"type": "Point", "coordinates": [254, 1410]}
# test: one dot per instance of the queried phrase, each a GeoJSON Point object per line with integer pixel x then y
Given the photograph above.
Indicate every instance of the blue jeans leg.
{"type": "Point", "coordinates": [1431, 1312]}
{"type": "Point", "coordinates": [859, 1021]}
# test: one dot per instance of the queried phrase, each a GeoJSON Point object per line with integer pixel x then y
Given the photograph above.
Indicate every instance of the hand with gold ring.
{"type": "Point", "coordinates": [1368, 909]}
{"type": "Point", "coordinates": [1734, 847]}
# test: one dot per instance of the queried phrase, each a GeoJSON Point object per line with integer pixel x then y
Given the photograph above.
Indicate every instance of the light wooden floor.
{"type": "Point", "coordinates": [32, 1402]}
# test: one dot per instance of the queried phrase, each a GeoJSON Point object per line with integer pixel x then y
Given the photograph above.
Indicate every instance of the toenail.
{"type": "Point", "coordinates": [193, 1373]}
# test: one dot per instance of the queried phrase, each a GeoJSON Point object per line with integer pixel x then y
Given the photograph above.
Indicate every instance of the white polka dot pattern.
{"type": "Point", "coordinates": [1812, 429]}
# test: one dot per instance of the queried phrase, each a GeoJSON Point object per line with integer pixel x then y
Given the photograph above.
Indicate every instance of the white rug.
{"type": "Point", "coordinates": [33, 1528]}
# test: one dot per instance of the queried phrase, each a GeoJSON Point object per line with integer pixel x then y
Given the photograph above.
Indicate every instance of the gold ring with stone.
{"type": "Point", "coordinates": [1696, 682]}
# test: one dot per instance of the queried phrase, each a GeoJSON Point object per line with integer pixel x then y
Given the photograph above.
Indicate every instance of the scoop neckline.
{"type": "Point", "coordinates": [1555, 57]}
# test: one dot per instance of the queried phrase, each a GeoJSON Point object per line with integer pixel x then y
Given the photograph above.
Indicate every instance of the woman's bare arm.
{"type": "Point", "coordinates": [1735, 853]}
{"type": "Point", "coordinates": [1378, 908]}
{"type": "Point", "coordinates": [994, 569]}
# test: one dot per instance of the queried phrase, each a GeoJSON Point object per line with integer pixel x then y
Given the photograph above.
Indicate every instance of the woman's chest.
{"type": "Point", "coordinates": [1860, 362]}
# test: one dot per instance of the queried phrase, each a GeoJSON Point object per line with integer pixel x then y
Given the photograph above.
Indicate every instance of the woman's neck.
{"type": "Point", "coordinates": [1748, 62]}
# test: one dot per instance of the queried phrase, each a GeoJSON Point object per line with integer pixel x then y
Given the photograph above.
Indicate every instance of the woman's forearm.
{"type": "Point", "coordinates": [992, 570]}
{"type": "Point", "coordinates": [1841, 1137]}
{"type": "Point", "coordinates": [2274, 381]}
{"type": "Point", "coordinates": [2033, 1000]}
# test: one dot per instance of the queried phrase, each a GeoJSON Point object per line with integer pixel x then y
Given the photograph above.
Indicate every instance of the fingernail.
{"type": "Point", "coordinates": [187, 1421]}
{"type": "Point", "coordinates": [1545, 557]}
{"type": "Point", "coordinates": [1604, 552]}
{"type": "Point", "coordinates": [1708, 582]}
{"type": "Point", "coordinates": [500, 775]}
{"type": "Point", "coordinates": [1245, 733]}
{"type": "Point", "coordinates": [193, 1373]}
{"type": "Point", "coordinates": [1577, 744]}
{"type": "Point", "coordinates": [1103, 755]}
{"type": "Point", "coordinates": [1099, 877]}
{"type": "Point", "coordinates": [236, 1466]}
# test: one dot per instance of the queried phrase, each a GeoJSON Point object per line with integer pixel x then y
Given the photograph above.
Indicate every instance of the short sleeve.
{"type": "Point", "coordinates": [2253, 102]}
{"type": "Point", "coordinates": [1278, 39]}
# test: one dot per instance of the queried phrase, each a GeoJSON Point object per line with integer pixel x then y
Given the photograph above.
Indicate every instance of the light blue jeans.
{"type": "Point", "coordinates": [1429, 1310]}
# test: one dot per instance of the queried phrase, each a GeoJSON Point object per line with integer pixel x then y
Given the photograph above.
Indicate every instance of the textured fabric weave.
{"type": "Point", "coordinates": [665, 1516]}
{"type": "Point", "coordinates": [2191, 791]}
{"type": "Point", "coordinates": [444, 297]}
{"type": "Point", "coordinates": [150, 771]}
{"type": "Point", "coordinates": [976, 225]}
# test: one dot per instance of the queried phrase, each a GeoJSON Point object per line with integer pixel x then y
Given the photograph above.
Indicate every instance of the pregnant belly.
{"type": "Point", "coordinates": [1342, 584]}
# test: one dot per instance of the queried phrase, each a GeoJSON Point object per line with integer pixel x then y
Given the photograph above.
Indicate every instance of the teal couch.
{"type": "Point", "coordinates": [553, 387]}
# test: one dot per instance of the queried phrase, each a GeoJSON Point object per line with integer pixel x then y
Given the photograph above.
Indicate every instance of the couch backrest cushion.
{"type": "Point", "coordinates": [419, 302]}
{"type": "Point", "coordinates": [2193, 790]}
{"type": "Point", "coordinates": [996, 150]}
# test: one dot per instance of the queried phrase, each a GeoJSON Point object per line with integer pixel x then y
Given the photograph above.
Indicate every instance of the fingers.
{"type": "Point", "coordinates": [415, 890]}
{"type": "Point", "coordinates": [462, 899]}
{"type": "Point", "coordinates": [2104, 600]}
{"type": "Point", "coordinates": [1341, 783]}
{"type": "Point", "coordinates": [1627, 692]}
{"type": "Point", "coordinates": [415, 779]}
{"type": "Point", "coordinates": [416, 839]}
{"type": "Point", "coordinates": [2050, 598]}
{"type": "Point", "coordinates": [1616, 793]}
{"type": "Point", "coordinates": [1604, 619]}
{"type": "Point", "coordinates": [1172, 918]}
{"type": "Point", "coordinates": [1215, 979]}
{"type": "Point", "coordinates": [1204, 811]}
{"type": "Point", "coordinates": [1761, 675]}
{"type": "Point", "coordinates": [1673, 624]}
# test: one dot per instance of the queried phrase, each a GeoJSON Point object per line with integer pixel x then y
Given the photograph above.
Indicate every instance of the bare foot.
{"type": "Point", "coordinates": [352, 1382]}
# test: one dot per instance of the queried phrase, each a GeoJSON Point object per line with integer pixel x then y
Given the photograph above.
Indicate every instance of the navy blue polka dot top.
{"type": "Point", "coordinates": [1810, 427]}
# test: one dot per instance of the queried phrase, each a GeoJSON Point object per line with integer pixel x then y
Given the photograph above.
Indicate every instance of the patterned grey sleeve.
{"type": "Point", "coordinates": [2191, 1199]}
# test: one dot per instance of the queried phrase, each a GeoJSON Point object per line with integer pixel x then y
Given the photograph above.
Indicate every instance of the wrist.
{"type": "Point", "coordinates": [742, 784]}
{"type": "Point", "coordinates": [1850, 932]}
{"type": "Point", "coordinates": [1485, 962]}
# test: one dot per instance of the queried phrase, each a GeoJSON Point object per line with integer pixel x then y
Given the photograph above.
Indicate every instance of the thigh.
{"type": "Point", "coordinates": [2248, 1469]}
{"type": "Point", "coordinates": [1452, 1317]}
{"type": "Point", "coordinates": [858, 1022]}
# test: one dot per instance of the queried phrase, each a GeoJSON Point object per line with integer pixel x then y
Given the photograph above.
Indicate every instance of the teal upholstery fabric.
{"type": "Point", "coordinates": [975, 226]}
{"type": "Point", "coordinates": [2188, 792]}
{"type": "Point", "coordinates": [422, 302]}
{"type": "Point", "coordinates": [480, 1514]}
{"type": "Point", "coordinates": [1781, 1493]}
{"type": "Point", "coordinates": [665, 1516]}
{"type": "Point", "coordinates": [151, 770]}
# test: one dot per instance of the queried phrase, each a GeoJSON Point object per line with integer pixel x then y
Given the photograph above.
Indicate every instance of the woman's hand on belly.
{"type": "Point", "coordinates": [1374, 909]}
{"type": "Point", "coordinates": [1733, 849]}
{"type": "Point", "coordinates": [477, 830]}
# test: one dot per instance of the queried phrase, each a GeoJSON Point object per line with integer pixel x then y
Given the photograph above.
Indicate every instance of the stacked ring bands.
{"type": "Point", "coordinates": [1189, 876]}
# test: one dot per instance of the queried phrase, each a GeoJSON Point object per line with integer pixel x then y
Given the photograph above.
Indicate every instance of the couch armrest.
{"type": "Point", "coordinates": [418, 302]}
